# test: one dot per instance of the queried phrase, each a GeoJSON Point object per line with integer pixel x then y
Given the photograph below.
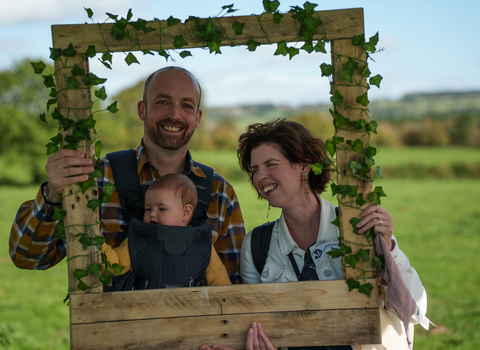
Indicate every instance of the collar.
{"type": "Point", "coordinates": [326, 231]}
{"type": "Point", "coordinates": [190, 165]}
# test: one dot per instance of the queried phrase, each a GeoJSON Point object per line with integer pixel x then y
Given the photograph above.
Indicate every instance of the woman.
{"type": "Point", "coordinates": [276, 156]}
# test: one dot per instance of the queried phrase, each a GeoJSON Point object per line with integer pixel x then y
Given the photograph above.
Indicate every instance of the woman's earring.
{"type": "Point", "coordinates": [305, 186]}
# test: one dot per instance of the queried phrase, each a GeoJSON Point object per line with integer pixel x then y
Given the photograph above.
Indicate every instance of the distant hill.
{"type": "Point", "coordinates": [410, 107]}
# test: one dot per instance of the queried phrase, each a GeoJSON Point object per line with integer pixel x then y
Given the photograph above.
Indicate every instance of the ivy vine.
{"type": "Point", "coordinates": [208, 34]}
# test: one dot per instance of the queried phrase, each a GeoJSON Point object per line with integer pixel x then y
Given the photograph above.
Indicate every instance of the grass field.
{"type": "Point", "coordinates": [436, 223]}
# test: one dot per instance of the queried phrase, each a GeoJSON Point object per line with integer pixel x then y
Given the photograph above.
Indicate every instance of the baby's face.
{"type": "Point", "coordinates": [164, 207]}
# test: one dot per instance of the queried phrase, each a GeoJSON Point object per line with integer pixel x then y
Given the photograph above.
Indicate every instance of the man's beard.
{"type": "Point", "coordinates": [164, 140]}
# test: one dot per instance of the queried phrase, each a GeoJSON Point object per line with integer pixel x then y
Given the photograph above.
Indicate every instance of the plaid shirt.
{"type": "Point", "coordinates": [33, 244]}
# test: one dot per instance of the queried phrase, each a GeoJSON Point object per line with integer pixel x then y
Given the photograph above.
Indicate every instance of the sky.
{"type": "Point", "coordinates": [428, 46]}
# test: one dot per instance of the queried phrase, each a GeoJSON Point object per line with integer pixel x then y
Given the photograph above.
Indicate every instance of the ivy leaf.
{"type": "Point", "coordinates": [53, 93]}
{"type": "Point", "coordinates": [76, 70]}
{"type": "Point", "coordinates": [107, 56]}
{"type": "Point", "coordinates": [345, 75]}
{"type": "Point", "coordinates": [96, 174]}
{"type": "Point", "coordinates": [58, 214]}
{"type": "Point", "coordinates": [317, 168]}
{"type": "Point", "coordinates": [164, 54]}
{"type": "Point", "coordinates": [370, 235]}
{"type": "Point", "coordinates": [363, 99]}
{"type": "Point", "coordinates": [48, 81]}
{"type": "Point", "coordinates": [366, 289]}
{"type": "Point", "coordinates": [281, 48]}
{"type": "Point", "coordinates": [56, 115]}
{"type": "Point", "coordinates": [72, 83]}
{"type": "Point", "coordinates": [98, 147]}
{"type": "Point", "coordinates": [105, 279]}
{"type": "Point", "coordinates": [330, 147]}
{"type": "Point", "coordinates": [371, 127]}
{"type": "Point", "coordinates": [130, 59]}
{"type": "Point", "coordinates": [129, 15]}
{"type": "Point", "coordinates": [356, 145]}
{"type": "Point", "coordinates": [277, 17]}
{"type": "Point", "coordinates": [347, 190]}
{"type": "Point", "coordinates": [352, 260]}
{"type": "Point", "coordinates": [214, 46]}
{"type": "Point", "coordinates": [114, 17]}
{"type": "Point", "coordinates": [38, 67]}
{"type": "Point", "coordinates": [252, 45]}
{"type": "Point", "coordinates": [376, 80]}
{"type": "Point", "coordinates": [117, 268]}
{"type": "Point", "coordinates": [89, 12]}
{"type": "Point", "coordinates": [336, 222]}
{"type": "Point", "coordinates": [334, 253]}
{"type": "Point", "coordinates": [369, 162]}
{"type": "Point", "coordinates": [179, 41]}
{"type": "Point", "coordinates": [85, 185]}
{"type": "Point", "coordinates": [354, 166]}
{"type": "Point", "coordinates": [360, 200]}
{"type": "Point", "coordinates": [95, 269]}
{"type": "Point", "coordinates": [375, 195]}
{"type": "Point", "coordinates": [308, 46]}
{"type": "Point", "coordinates": [93, 204]}
{"type": "Point", "coordinates": [336, 98]}
{"type": "Point", "coordinates": [309, 8]}
{"type": "Point", "coordinates": [238, 27]}
{"type": "Point", "coordinates": [339, 120]}
{"type": "Point", "coordinates": [55, 53]}
{"type": "Point", "coordinates": [372, 43]}
{"type": "Point", "coordinates": [56, 139]}
{"type": "Point", "coordinates": [101, 94]}
{"type": "Point", "coordinates": [334, 188]}
{"type": "Point", "coordinates": [371, 151]}
{"type": "Point", "coordinates": [69, 51]}
{"type": "Point", "coordinates": [51, 148]}
{"type": "Point", "coordinates": [172, 21]}
{"type": "Point", "coordinates": [98, 241]}
{"type": "Point", "coordinates": [352, 284]}
{"type": "Point", "coordinates": [358, 40]}
{"type": "Point", "coordinates": [43, 118]}
{"type": "Point", "coordinates": [337, 139]}
{"type": "Point", "coordinates": [108, 188]}
{"type": "Point", "coordinates": [354, 222]}
{"type": "Point", "coordinates": [118, 29]}
{"type": "Point", "coordinates": [270, 5]}
{"type": "Point", "coordinates": [364, 71]}
{"type": "Point", "coordinates": [364, 254]}
{"type": "Point", "coordinates": [82, 285]}
{"type": "Point", "coordinates": [292, 51]}
{"type": "Point", "coordinates": [79, 273]}
{"type": "Point", "coordinates": [320, 47]}
{"type": "Point", "coordinates": [113, 107]}
{"type": "Point", "coordinates": [326, 69]}
{"type": "Point", "coordinates": [379, 172]}
{"type": "Point", "coordinates": [91, 80]}
{"type": "Point", "coordinates": [51, 102]}
{"type": "Point", "coordinates": [379, 261]}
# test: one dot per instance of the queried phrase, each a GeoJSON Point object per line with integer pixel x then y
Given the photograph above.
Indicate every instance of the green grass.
{"type": "Point", "coordinates": [436, 222]}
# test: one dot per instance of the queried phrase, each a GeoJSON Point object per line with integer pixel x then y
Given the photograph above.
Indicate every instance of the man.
{"type": "Point", "coordinates": [170, 113]}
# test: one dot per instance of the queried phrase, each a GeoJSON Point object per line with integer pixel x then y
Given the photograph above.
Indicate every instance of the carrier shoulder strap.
{"type": "Point", "coordinates": [260, 243]}
{"type": "Point", "coordinates": [203, 185]}
{"type": "Point", "coordinates": [127, 182]}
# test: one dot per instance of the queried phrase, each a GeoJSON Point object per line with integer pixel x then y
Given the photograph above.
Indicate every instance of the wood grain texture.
{"type": "Point", "coordinates": [336, 24]}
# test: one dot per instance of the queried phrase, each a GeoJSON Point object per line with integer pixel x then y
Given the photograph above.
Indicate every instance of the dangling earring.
{"type": "Point", "coordinates": [268, 210]}
{"type": "Point", "coordinates": [305, 186]}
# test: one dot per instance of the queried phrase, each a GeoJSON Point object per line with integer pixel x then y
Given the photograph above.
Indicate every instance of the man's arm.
{"type": "Point", "coordinates": [228, 228]}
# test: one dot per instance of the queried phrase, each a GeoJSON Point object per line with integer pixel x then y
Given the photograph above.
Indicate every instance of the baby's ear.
{"type": "Point", "coordinates": [187, 213]}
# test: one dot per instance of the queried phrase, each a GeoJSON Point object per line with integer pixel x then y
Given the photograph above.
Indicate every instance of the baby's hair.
{"type": "Point", "coordinates": [180, 185]}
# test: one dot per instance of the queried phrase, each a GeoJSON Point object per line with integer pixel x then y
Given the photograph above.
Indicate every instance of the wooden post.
{"type": "Point", "coordinates": [292, 314]}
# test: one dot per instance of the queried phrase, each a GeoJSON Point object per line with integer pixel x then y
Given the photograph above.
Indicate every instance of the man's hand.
{"type": "Point", "coordinates": [66, 167]}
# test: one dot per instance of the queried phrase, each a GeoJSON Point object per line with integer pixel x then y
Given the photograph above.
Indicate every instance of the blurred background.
{"type": "Point", "coordinates": [428, 110]}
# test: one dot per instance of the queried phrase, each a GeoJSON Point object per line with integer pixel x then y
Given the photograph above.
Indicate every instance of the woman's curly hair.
{"type": "Point", "coordinates": [297, 144]}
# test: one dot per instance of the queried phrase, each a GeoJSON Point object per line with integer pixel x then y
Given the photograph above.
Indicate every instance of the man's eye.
{"type": "Point", "coordinates": [188, 106]}
{"type": "Point", "coordinates": [162, 102]}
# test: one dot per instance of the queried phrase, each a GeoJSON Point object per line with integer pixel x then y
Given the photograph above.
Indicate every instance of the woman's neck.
{"type": "Point", "coordinates": [303, 222]}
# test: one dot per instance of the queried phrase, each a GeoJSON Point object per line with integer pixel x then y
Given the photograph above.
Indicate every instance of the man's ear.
{"type": "Point", "coordinates": [141, 110]}
{"type": "Point", "coordinates": [199, 118]}
{"type": "Point", "coordinates": [187, 213]}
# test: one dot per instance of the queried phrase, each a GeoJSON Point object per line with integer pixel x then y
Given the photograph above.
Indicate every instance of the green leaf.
{"type": "Point", "coordinates": [91, 51]}
{"type": "Point", "coordinates": [98, 241]}
{"type": "Point", "coordinates": [309, 8]}
{"type": "Point", "coordinates": [58, 214]}
{"type": "Point", "coordinates": [354, 221]}
{"type": "Point", "coordinates": [57, 139]}
{"type": "Point", "coordinates": [379, 261]}
{"type": "Point", "coordinates": [129, 15]}
{"type": "Point", "coordinates": [82, 285]}
{"type": "Point", "coordinates": [107, 56]}
{"type": "Point", "coordinates": [252, 45]}
{"type": "Point", "coordinates": [277, 17]}
{"type": "Point", "coordinates": [95, 269]}
{"type": "Point", "coordinates": [352, 284]}
{"type": "Point", "coordinates": [281, 48]}
{"type": "Point", "coordinates": [369, 162]}
{"type": "Point", "coordinates": [372, 43]}
{"type": "Point", "coordinates": [164, 54]}
{"type": "Point", "coordinates": [334, 188]}
{"type": "Point", "coordinates": [48, 81]}
{"type": "Point", "coordinates": [101, 94]}
{"type": "Point", "coordinates": [363, 99]}
{"type": "Point", "coordinates": [370, 235]}
{"type": "Point", "coordinates": [339, 120]}
{"type": "Point", "coordinates": [69, 51]}
{"type": "Point", "coordinates": [104, 198]}
{"type": "Point", "coordinates": [326, 69]}
{"type": "Point", "coordinates": [72, 83]}
{"type": "Point", "coordinates": [171, 21]}
{"type": "Point", "coordinates": [67, 123]}
{"type": "Point", "coordinates": [352, 260]}
{"type": "Point", "coordinates": [336, 98]}
{"type": "Point", "coordinates": [98, 147]}
{"type": "Point", "coordinates": [376, 80]}
{"type": "Point", "coordinates": [376, 194]}
{"type": "Point", "coordinates": [336, 222]}
{"type": "Point", "coordinates": [105, 279]}
{"type": "Point", "coordinates": [360, 200]}
{"type": "Point", "coordinates": [85, 185]}
{"type": "Point", "coordinates": [238, 27]}
{"type": "Point", "coordinates": [179, 41]}
{"type": "Point", "coordinates": [51, 148]}
{"type": "Point", "coordinates": [96, 174]}
{"type": "Point", "coordinates": [270, 5]}
{"type": "Point", "coordinates": [114, 17]}
{"type": "Point", "coordinates": [79, 273]}
{"type": "Point", "coordinates": [317, 168]}
{"type": "Point", "coordinates": [356, 145]}
{"type": "Point", "coordinates": [118, 29]}
{"type": "Point", "coordinates": [53, 93]}
{"type": "Point", "coordinates": [358, 40]}
{"type": "Point", "coordinates": [43, 118]}
{"type": "Point", "coordinates": [51, 102]}
{"type": "Point", "coordinates": [379, 172]}
{"type": "Point", "coordinates": [56, 115]}
{"type": "Point", "coordinates": [91, 80]}
{"type": "Point", "coordinates": [55, 53]}
{"type": "Point", "coordinates": [366, 289]}
{"type": "Point", "coordinates": [113, 107]}
{"type": "Point", "coordinates": [38, 67]}
{"type": "Point", "coordinates": [320, 47]}
{"type": "Point", "coordinates": [76, 70]}
{"type": "Point", "coordinates": [93, 204]}
{"type": "Point", "coordinates": [345, 75]}
{"type": "Point", "coordinates": [184, 54]}
{"type": "Point", "coordinates": [89, 12]}
{"type": "Point", "coordinates": [148, 52]}
{"type": "Point", "coordinates": [364, 254]}
{"type": "Point", "coordinates": [354, 166]}
{"type": "Point", "coordinates": [370, 151]}
{"type": "Point", "coordinates": [371, 127]}
{"type": "Point", "coordinates": [117, 268]}
{"type": "Point", "coordinates": [364, 71]}
{"type": "Point", "coordinates": [337, 139]}
{"type": "Point", "coordinates": [330, 147]}
{"type": "Point", "coordinates": [130, 59]}
{"type": "Point", "coordinates": [334, 253]}
{"type": "Point", "coordinates": [108, 188]}
{"type": "Point", "coordinates": [347, 190]}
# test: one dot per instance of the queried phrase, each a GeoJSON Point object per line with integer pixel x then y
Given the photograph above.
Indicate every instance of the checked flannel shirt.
{"type": "Point", "coordinates": [33, 245]}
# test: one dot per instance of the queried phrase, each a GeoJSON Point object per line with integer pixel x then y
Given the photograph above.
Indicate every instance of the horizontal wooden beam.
{"type": "Point", "coordinates": [298, 313]}
{"type": "Point", "coordinates": [337, 24]}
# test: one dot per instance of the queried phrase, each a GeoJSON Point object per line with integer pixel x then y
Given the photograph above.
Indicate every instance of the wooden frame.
{"type": "Point", "coordinates": [292, 314]}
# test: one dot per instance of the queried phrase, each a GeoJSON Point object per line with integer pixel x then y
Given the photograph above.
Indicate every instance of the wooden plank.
{"type": "Point", "coordinates": [328, 327]}
{"type": "Point", "coordinates": [341, 50]}
{"type": "Point", "coordinates": [202, 301]}
{"type": "Point", "coordinates": [76, 105]}
{"type": "Point", "coordinates": [336, 24]}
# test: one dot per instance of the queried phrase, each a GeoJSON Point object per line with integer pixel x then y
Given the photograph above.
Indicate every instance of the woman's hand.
{"type": "Point", "coordinates": [381, 221]}
{"type": "Point", "coordinates": [256, 340]}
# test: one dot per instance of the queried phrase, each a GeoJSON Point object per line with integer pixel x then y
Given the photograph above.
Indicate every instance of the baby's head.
{"type": "Point", "coordinates": [170, 201]}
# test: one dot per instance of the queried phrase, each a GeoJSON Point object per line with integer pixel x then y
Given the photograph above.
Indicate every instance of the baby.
{"type": "Point", "coordinates": [170, 201]}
